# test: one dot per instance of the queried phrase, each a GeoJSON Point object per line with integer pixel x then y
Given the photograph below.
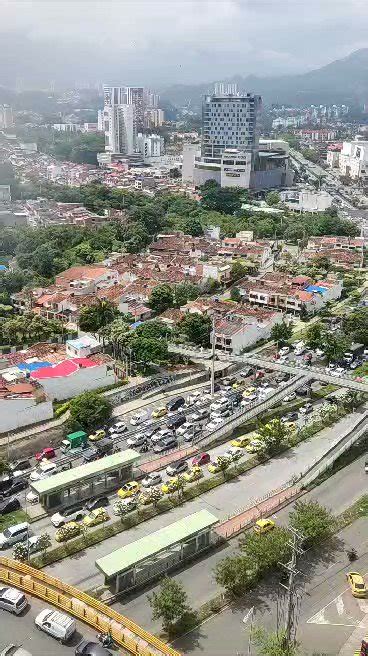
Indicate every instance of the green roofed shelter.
{"type": "Point", "coordinates": [156, 553]}
{"type": "Point", "coordinates": [87, 480]}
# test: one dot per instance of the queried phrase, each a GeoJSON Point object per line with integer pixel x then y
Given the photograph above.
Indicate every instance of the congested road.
{"type": "Point", "coordinates": [241, 454]}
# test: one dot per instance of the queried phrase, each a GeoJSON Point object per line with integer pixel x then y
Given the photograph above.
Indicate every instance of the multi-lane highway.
{"type": "Point", "coordinates": [223, 501]}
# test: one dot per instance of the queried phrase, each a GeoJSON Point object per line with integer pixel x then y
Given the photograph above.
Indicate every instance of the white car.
{"type": "Point", "coordinates": [184, 428]}
{"type": "Point", "coordinates": [289, 397]}
{"type": "Point", "coordinates": [284, 350]}
{"type": "Point", "coordinates": [154, 478]}
{"type": "Point", "coordinates": [319, 353]}
{"type": "Point", "coordinates": [13, 600]}
{"type": "Point", "coordinates": [193, 397]}
{"type": "Point", "coordinates": [214, 423]}
{"type": "Point", "coordinates": [69, 515]}
{"type": "Point", "coordinates": [45, 470]}
{"type": "Point", "coordinates": [32, 497]}
{"type": "Point", "coordinates": [119, 427]}
{"type": "Point", "coordinates": [138, 417]}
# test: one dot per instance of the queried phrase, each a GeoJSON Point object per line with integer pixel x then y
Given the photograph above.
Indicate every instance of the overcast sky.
{"type": "Point", "coordinates": [163, 41]}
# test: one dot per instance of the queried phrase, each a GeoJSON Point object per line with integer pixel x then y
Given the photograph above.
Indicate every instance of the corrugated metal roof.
{"type": "Point", "coordinates": [82, 472]}
{"type": "Point", "coordinates": [150, 545]}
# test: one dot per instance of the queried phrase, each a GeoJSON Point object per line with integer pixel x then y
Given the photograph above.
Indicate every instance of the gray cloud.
{"type": "Point", "coordinates": [162, 41]}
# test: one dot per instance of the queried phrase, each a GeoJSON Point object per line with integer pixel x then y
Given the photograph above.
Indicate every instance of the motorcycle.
{"type": "Point", "coordinates": [105, 639]}
{"type": "Point", "coordinates": [352, 555]}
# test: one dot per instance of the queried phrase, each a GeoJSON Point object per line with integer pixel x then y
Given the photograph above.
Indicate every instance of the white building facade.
{"type": "Point", "coordinates": [353, 161]}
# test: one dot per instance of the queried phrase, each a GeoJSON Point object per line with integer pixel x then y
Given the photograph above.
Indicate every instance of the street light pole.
{"type": "Point", "coordinates": [213, 358]}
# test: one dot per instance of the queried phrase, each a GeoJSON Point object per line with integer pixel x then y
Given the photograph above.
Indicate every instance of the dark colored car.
{"type": "Point", "coordinates": [177, 468]}
{"type": "Point", "coordinates": [87, 648]}
{"type": "Point", "coordinates": [176, 421]}
{"type": "Point", "coordinates": [291, 416]}
{"type": "Point", "coordinates": [303, 391]}
{"type": "Point", "coordinates": [102, 448]}
{"type": "Point", "coordinates": [20, 465]}
{"type": "Point", "coordinates": [6, 484]}
{"type": "Point", "coordinates": [9, 506]}
{"type": "Point", "coordinates": [17, 486]}
{"type": "Point", "coordinates": [165, 444]}
{"type": "Point", "coordinates": [100, 502]}
{"type": "Point", "coordinates": [175, 404]}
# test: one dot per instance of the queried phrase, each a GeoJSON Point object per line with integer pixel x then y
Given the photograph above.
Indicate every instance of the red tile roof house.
{"type": "Point", "coordinates": [342, 258]}
{"type": "Point", "coordinates": [279, 291]}
{"type": "Point", "coordinates": [239, 330]}
{"type": "Point", "coordinates": [342, 242]}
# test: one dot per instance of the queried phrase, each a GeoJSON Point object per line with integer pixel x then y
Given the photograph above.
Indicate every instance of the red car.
{"type": "Point", "coordinates": [45, 454]}
{"type": "Point", "coordinates": [201, 459]}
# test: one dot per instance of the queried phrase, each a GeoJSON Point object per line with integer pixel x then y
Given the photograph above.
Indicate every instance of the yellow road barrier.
{"type": "Point", "coordinates": [124, 631]}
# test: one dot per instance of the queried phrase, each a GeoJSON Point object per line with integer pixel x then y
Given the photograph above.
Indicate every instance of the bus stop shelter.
{"type": "Point", "coordinates": [153, 555]}
{"type": "Point", "coordinates": [85, 481]}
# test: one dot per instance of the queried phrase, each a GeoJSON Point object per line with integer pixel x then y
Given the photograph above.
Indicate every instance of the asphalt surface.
{"type": "Point", "coordinates": [44, 524]}
{"type": "Point", "coordinates": [326, 615]}
{"type": "Point", "coordinates": [336, 493]}
{"type": "Point", "coordinates": [22, 631]}
{"type": "Point", "coordinates": [222, 501]}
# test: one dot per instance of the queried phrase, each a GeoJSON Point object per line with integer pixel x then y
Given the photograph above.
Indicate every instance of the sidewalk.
{"type": "Point", "coordinates": [234, 525]}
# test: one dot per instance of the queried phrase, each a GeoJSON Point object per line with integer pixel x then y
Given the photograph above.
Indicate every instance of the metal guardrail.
{"type": "Point", "coordinates": [342, 381]}
{"type": "Point", "coordinates": [328, 458]}
{"type": "Point", "coordinates": [242, 415]}
{"type": "Point", "coordinates": [124, 631]}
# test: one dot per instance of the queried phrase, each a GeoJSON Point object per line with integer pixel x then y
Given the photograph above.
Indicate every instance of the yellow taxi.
{"type": "Point", "coordinates": [357, 585]}
{"type": "Point", "coordinates": [98, 435]}
{"type": "Point", "coordinates": [238, 385]}
{"type": "Point", "coordinates": [263, 526]}
{"type": "Point", "coordinates": [129, 489]}
{"type": "Point", "coordinates": [249, 391]}
{"type": "Point", "coordinates": [159, 412]}
{"type": "Point", "coordinates": [194, 474]}
{"type": "Point", "coordinates": [241, 441]}
{"type": "Point", "coordinates": [67, 532]}
{"type": "Point", "coordinates": [96, 516]}
{"type": "Point", "coordinates": [170, 486]}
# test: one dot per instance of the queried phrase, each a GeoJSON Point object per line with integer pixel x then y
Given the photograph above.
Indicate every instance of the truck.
{"type": "Point", "coordinates": [74, 440]}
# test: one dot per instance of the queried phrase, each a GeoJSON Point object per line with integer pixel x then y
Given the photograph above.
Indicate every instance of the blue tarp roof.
{"type": "Point", "coordinates": [135, 324]}
{"type": "Point", "coordinates": [3, 267]}
{"type": "Point", "coordinates": [33, 366]}
{"type": "Point", "coordinates": [315, 288]}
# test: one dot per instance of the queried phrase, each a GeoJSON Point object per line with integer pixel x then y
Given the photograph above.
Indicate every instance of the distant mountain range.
{"type": "Point", "coordinates": [341, 81]}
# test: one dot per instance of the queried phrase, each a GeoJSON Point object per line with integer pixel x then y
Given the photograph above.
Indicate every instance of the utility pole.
{"type": "Point", "coordinates": [290, 621]}
{"type": "Point", "coordinates": [213, 358]}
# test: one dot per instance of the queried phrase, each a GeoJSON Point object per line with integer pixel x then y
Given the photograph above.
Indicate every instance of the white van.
{"type": "Point", "coordinates": [57, 624]}
{"type": "Point", "coordinates": [12, 600]}
{"type": "Point", "coordinates": [14, 534]}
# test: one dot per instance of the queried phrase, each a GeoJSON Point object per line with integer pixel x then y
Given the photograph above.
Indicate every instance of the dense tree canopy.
{"type": "Point", "coordinates": [90, 410]}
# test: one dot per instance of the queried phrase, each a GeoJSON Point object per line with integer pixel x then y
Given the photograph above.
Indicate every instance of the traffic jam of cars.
{"type": "Point", "coordinates": [180, 421]}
